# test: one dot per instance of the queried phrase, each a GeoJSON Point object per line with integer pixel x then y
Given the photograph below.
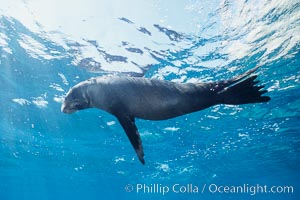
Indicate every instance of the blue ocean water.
{"type": "Point", "coordinates": [46, 154]}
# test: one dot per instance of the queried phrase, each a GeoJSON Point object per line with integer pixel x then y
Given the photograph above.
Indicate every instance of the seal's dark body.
{"type": "Point", "coordinates": [129, 97]}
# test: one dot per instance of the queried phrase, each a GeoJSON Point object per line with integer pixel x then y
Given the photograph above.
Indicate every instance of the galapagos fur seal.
{"type": "Point", "coordinates": [128, 98]}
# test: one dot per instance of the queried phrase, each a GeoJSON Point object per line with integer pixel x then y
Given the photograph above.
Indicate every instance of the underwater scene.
{"type": "Point", "coordinates": [225, 151]}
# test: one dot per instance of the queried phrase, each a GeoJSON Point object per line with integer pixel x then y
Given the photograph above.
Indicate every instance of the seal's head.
{"type": "Point", "coordinates": [76, 99]}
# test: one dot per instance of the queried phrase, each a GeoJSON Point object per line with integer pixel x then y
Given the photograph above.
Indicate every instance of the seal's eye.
{"type": "Point", "coordinates": [79, 105]}
{"type": "Point", "coordinates": [76, 103]}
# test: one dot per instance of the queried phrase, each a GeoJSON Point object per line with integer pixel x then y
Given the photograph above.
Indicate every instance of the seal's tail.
{"type": "Point", "coordinates": [242, 89]}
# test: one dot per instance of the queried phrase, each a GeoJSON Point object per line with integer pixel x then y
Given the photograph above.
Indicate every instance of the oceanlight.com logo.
{"type": "Point", "coordinates": [176, 188]}
{"type": "Point", "coordinates": [250, 189]}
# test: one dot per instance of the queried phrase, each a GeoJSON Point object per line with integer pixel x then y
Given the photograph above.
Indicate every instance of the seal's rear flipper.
{"type": "Point", "coordinates": [241, 90]}
{"type": "Point", "coordinates": [131, 130]}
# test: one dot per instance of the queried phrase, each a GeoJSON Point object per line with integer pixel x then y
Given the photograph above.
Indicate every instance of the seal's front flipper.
{"type": "Point", "coordinates": [131, 130]}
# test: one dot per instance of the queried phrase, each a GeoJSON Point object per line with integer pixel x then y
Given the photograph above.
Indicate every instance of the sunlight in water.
{"type": "Point", "coordinates": [47, 47]}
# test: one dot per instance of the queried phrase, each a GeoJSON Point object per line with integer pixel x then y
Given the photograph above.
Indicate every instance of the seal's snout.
{"type": "Point", "coordinates": [65, 108]}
